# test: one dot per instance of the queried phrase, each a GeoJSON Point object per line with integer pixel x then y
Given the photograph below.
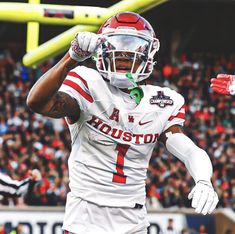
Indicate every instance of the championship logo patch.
{"type": "Point", "coordinates": [161, 100]}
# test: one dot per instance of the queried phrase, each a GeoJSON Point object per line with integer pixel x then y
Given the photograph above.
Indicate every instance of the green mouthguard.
{"type": "Point", "coordinates": [135, 91]}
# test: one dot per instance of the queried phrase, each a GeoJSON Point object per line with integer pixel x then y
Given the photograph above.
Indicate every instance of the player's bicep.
{"type": "Point", "coordinates": [173, 129]}
{"type": "Point", "coordinates": [63, 105]}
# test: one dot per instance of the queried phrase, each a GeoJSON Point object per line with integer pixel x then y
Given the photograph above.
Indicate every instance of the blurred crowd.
{"type": "Point", "coordinates": [29, 141]}
{"type": "Point", "coordinates": [210, 123]}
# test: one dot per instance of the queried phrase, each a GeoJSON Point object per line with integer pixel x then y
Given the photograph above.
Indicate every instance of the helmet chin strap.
{"type": "Point", "coordinates": [135, 91]}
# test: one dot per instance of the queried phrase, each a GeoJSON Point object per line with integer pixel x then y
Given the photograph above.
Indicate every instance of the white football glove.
{"type": "Point", "coordinates": [84, 45]}
{"type": "Point", "coordinates": [204, 198]}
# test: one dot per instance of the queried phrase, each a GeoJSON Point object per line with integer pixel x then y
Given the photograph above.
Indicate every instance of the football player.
{"type": "Point", "coordinates": [224, 84]}
{"type": "Point", "coordinates": [115, 121]}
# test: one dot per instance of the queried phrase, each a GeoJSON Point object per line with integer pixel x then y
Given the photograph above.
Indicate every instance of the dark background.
{"type": "Point", "coordinates": [204, 25]}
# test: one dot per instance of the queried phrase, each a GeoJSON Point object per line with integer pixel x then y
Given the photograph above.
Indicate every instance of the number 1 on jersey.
{"type": "Point", "coordinates": [119, 176]}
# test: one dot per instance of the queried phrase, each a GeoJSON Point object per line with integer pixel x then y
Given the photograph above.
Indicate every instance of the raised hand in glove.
{"type": "Point", "coordinates": [204, 198]}
{"type": "Point", "coordinates": [224, 84]}
{"type": "Point", "coordinates": [84, 45]}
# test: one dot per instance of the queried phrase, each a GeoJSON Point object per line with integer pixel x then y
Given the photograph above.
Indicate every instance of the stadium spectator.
{"type": "Point", "coordinates": [92, 115]}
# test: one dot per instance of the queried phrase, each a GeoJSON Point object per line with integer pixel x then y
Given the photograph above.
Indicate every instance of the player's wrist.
{"type": "Point", "coordinates": [71, 59]}
{"type": "Point", "coordinates": [67, 63]}
{"type": "Point", "coordinates": [205, 182]}
{"type": "Point", "coordinates": [74, 56]}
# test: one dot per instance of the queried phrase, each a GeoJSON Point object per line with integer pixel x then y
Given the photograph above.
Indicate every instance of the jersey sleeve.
{"type": "Point", "coordinates": [177, 116]}
{"type": "Point", "coordinates": [13, 188]}
{"type": "Point", "coordinates": [76, 85]}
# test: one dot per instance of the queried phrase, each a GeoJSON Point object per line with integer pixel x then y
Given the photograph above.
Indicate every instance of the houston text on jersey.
{"type": "Point", "coordinates": [120, 134]}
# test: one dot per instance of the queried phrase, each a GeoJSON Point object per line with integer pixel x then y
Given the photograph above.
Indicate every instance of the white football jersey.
{"type": "Point", "coordinates": [114, 138]}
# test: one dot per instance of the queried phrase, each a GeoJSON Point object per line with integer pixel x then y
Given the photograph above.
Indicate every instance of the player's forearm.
{"type": "Point", "coordinates": [46, 87]}
{"type": "Point", "coordinates": [195, 159]}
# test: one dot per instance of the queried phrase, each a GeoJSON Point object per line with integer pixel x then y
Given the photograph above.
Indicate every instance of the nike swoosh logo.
{"type": "Point", "coordinates": [143, 123]}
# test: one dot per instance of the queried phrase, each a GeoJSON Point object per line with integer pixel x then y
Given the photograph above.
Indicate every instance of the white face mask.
{"type": "Point", "coordinates": [134, 46]}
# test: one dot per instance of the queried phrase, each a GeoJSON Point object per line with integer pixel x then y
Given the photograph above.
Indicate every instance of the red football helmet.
{"type": "Point", "coordinates": [129, 46]}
